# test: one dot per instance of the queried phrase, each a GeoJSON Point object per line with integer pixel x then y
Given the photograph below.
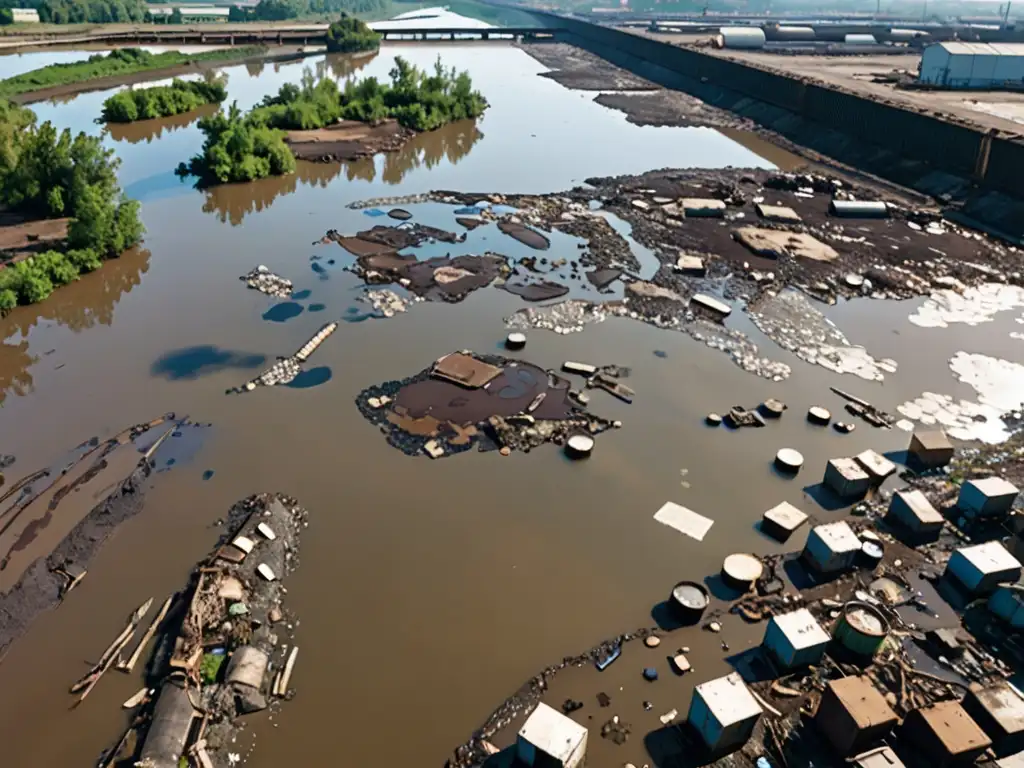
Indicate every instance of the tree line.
{"type": "Point", "coordinates": [79, 11]}
{"type": "Point", "coordinates": [282, 10]}
{"type": "Point", "coordinates": [49, 174]}
{"type": "Point", "coordinates": [243, 147]}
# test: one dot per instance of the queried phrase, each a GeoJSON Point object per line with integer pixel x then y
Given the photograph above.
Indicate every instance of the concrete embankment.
{"type": "Point", "coordinates": [955, 162]}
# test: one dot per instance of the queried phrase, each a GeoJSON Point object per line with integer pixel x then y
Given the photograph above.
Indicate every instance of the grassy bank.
{"type": "Point", "coordinates": [124, 61]}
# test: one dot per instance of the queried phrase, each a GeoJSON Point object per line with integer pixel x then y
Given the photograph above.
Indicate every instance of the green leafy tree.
{"type": "Point", "coordinates": [349, 35]}
{"type": "Point", "coordinates": [175, 17]}
{"type": "Point", "coordinates": [6, 17]}
{"type": "Point", "coordinates": [8, 300]}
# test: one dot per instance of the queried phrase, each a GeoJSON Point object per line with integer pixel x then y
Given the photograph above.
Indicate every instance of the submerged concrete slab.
{"type": "Point", "coordinates": [779, 243]}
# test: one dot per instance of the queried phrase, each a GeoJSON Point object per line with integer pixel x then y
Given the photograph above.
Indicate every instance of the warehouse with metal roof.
{"type": "Point", "coordinates": [991, 66]}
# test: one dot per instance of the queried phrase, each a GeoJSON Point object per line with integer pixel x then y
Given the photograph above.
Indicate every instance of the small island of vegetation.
{"type": "Point", "coordinates": [350, 35]}
{"type": "Point", "coordinates": [245, 147]}
{"type": "Point", "coordinates": [46, 174]}
{"type": "Point", "coordinates": [124, 61]}
{"type": "Point", "coordinates": [163, 100]}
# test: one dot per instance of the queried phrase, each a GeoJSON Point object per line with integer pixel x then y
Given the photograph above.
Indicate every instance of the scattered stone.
{"type": "Point", "coordinates": [265, 281]}
{"type": "Point", "coordinates": [680, 663]}
{"type": "Point", "coordinates": [652, 641]}
{"type": "Point", "coordinates": [433, 449]}
{"type": "Point", "coordinates": [843, 427]}
{"type": "Point", "coordinates": [713, 419]}
{"type": "Point", "coordinates": [650, 674]}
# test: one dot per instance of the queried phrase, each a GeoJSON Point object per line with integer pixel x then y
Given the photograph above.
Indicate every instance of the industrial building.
{"type": "Point", "coordinates": [973, 65]}
{"type": "Point", "coordinates": [25, 15]}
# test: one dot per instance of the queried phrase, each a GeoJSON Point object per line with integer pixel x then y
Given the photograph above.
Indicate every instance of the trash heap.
{"type": "Point", "coordinates": [224, 648]}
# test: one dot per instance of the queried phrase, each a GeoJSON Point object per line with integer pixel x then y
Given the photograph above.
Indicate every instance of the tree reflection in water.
{"type": "Point", "coordinates": [231, 202]}
{"type": "Point", "coordinates": [148, 130]}
{"type": "Point", "coordinates": [77, 306]}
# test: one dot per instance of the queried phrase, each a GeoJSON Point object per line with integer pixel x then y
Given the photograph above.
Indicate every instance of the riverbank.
{"type": "Point", "coordinates": [41, 558]}
{"type": "Point", "coordinates": [191, 65]}
{"type": "Point", "coordinates": [347, 140]}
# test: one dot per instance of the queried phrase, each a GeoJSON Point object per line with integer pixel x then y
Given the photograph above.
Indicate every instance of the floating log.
{"type": "Point", "coordinates": [127, 666]}
{"type": "Point", "coordinates": [286, 676]}
{"type": "Point", "coordinates": [112, 651]}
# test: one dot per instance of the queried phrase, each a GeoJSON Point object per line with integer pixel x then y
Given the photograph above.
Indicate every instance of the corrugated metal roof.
{"type": "Point", "coordinates": [984, 49]}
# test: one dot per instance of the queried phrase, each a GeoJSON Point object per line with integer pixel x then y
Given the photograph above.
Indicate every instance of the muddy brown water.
{"type": "Point", "coordinates": [428, 591]}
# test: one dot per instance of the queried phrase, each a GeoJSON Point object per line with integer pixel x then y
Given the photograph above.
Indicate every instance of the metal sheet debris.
{"type": "Point", "coordinates": [684, 520]}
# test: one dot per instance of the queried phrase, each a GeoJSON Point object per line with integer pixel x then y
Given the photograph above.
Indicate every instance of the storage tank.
{"type": "Point", "coordinates": [861, 629]}
{"type": "Point", "coordinates": [860, 40]}
{"type": "Point", "coordinates": [689, 600]}
{"type": "Point", "coordinates": [906, 35]}
{"type": "Point", "coordinates": [793, 33]}
{"type": "Point", "coordinates": [746, 38]}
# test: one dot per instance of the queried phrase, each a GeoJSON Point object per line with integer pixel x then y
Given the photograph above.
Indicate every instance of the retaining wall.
{"type": "Point", "coordinates": [995, 163]}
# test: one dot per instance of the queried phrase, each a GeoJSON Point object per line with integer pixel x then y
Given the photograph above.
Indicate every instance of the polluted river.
{"type": "Point", "coordinates": [429, 590]}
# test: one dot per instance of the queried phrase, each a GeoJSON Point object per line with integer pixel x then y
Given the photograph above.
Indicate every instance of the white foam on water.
{"type": "Point", "coordinates": [972, 307]}
{"type": "Point", "coordinates": [1000, 387]}
{"type": "Point", "coordinates": [794, 323]}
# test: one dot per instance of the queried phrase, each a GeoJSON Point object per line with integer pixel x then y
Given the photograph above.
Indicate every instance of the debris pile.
{"type": "Point", "coordinates": [265, 281]}
{"type": "Point", "coordinates": [224, 649]}
{"type": "Point", "coordinates": [494, 403]}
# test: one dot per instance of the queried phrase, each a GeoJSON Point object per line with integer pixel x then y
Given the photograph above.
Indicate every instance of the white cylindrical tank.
{"type": "Point", "coordinates": [794, 33]}
{"type": "Point", "coordinates": [860, 40]}
{"type": "Point", "coordinates": [749, 38]}
{"type": "Point", "coordinates": [906, 35]}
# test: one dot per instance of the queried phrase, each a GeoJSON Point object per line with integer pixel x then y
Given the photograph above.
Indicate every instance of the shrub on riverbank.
{"type": "Point", "coordinates": [236, 149]}
{"type": "Point", "coordinates": [124, 61]}
{"type": "Point", "coordinates": [49, 174]}
{"type": "Point", "coordinates": [311, 104]}
{"type": "Point", "coordinates": [418, 101]}
{"type": "Point", "coordinates": [163, 100]}
{"type": "Point", "coordinates": [349, 35]}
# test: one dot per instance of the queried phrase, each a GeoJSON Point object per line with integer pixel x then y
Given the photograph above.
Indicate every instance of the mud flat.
{"type": "Point", "coordinates": [488, 401]}
{"type": "Point", "coordinates": [225, 648]}
{"type": "Point", "coordinates": [49, 528]}
{"type": "Point", "coordinates": [644, 102]}
{"type": "Point", "coordinates": [347, 140]}
{"type": "Point", "coordinates": [21, 237]}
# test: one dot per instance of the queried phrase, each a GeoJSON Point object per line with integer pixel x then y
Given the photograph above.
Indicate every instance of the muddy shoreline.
{"type": "Point", "coordinates": [105, 83]}
{"type": "Point", "coordinates": [45, 581]}
{"type": "Point", "coordinates": [347, 140]}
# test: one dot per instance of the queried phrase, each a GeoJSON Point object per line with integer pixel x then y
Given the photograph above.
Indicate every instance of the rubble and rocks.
{"type": "Point", "coordinates": [488, 401]}
{"type": "Point", "coordinates": [265, 281]}
{"type": "Point", "coordinates": [220, 656]}
{"type": "Point", "coordinates": [287, 368]}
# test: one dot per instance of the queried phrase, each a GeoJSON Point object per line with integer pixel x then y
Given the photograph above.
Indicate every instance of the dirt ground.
{"type": "Point", "coordinates": [643, 102]}
{"type": "Point", "coordinates": [20, 238]}
{"type": "Point", "coordinates": [1001, 110]}
{"type": "Point", "coordinates": [284, 53]}
{"type": "Point", "coordinates": [583, 71]}
{"type": "Point", "coordinates": [347, 140]}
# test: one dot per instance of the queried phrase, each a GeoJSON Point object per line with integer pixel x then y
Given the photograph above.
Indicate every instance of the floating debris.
{"type": "Point", "coordinates": [265, 281]}
{"type": "Point", "coordinates": [286, 369]}
{"type": "Point", "coordinates": [386, 303]}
